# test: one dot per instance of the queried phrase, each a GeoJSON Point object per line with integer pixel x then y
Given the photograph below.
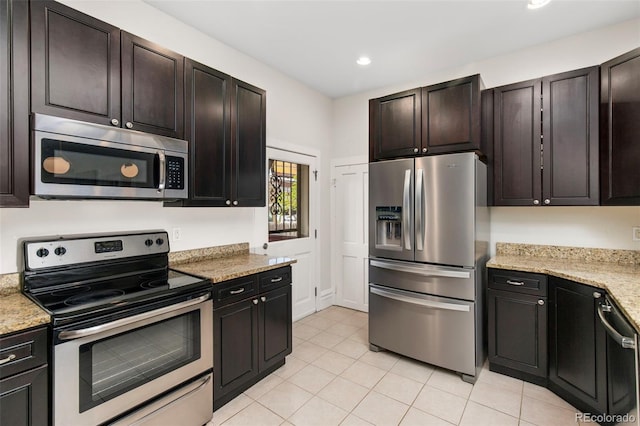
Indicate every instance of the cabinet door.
{"type": "Point", "coordinates": [275, 327]}
{"type": "Point", "coordinates": [248, 136]}
{"type": "Point", "coordinates": [75, 64]}
{"type": "Point", "coordinates": [235, 344]}
{"type": "Point", "coordinates": [570, 129]}
{"type": "Point", "coordinates": [14, 103]}
{"type": "Point", "coordinates": [395, 125]}
{"type": "Point", "coordinates": [620, 130]}
{"type": "Point", "coordinates": [152, 87]}
{"type": "Point", "coordinates": [517, 175]}
{"type": "Point", "coordinates": [451, 116]}
{"type": "Point", "coordinates": [207, 128]}
{"type": "Point", "coordinates": [577, 346]}
{"type": "Point", "coordinates": [518, 331]}
{"type": "Point", "coordinates": [24, 398]}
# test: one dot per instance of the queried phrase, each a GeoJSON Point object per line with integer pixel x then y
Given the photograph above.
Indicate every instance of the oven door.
{"type": "Point", "coordinates": [70, 167]}
{"type": "Point", "coordinates": [105, 370]}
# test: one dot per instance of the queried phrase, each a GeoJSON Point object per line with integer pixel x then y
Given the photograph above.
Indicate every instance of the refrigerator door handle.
{"type": "Point", "coordinates": [406, 214]}
{"type": "Point", "coordinates": [430, 272]}
{"type": "Point", "coordinates": [420, 209]}
{"type": "Point", "coordinates": [421, 302]}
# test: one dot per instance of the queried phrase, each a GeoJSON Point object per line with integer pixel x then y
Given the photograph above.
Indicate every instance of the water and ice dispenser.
{"type": "Point", "coordinates": [389, 227]}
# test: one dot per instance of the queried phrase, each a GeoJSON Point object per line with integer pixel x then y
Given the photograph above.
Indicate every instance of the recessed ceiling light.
{"type": "Point", "coordinates": [363, 60]}
{"type": "Point", "coordinates": [536, 4]}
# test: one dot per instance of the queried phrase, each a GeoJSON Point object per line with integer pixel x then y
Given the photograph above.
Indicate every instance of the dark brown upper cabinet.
{"type": "Point", "coordinates": [248, 145]}
{"type": "Point", "coordinates": [451, 116]}
{"type": "Point", "coordinates": [620, 130]}
{"type": "Point", "coordinates": [546, 141]}
{"type": "Point", "coordinates": [152, 87]}
{"type": "Point", "coordinates": [395, 125]}
{"type": "Point", "coordinates": [225, 125]}
{"type": "Point", "coordinates": [14, 103]}
{"type": "Point", "coordinates": [75, 64]}
{"type": "Point", "coordinates": [86, 69]}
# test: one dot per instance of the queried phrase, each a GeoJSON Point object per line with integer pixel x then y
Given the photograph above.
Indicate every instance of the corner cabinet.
{"type": "Point", "coordinates": [252, 319]}
{"type": "Point", "coordinates": [546, 141]}
{"type": "Point", "coordinates": [88, 70]}
{"type": "Point", "coordinates": [14, 103]}
{"type": "Point", "coordinates": [517, 324]}
{"type": "Point", "coordinates": [24, 379]}
{"type": "Point", "coordinates": [620, 130]}
{"type": "Point", "coordinates": [225, 126]}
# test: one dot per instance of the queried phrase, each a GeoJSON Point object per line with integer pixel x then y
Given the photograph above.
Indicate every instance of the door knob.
{"type": "Point", "coordinates": [540, 302]}
{"type": "Point", "coordinates": [547, 201]}
{"type": "Point", "coordinates": [415, 150]}
{"type": "Point", "coordinates": [235, 203]}
{"type": "Point", "coordinates": [424, 149]}
{"type": "Point", "coordinates": [264, 299]}
{"type": "Point", "coordinates": [228, 202]}
{"type": "Point", "coordinates": [115, 121]}
{"type": "Point", "coordinates": [255, 301]}
{"type": "Point", "coordinates": [129, 125]}
{"type": "Point", "coordinates": [536, 202]}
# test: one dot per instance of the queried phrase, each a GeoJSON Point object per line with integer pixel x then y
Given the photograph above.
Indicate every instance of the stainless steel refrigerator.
{"type": "Point", "coordinates": [428, 246]}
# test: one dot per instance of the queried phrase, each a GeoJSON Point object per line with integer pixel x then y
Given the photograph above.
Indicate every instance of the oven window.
{"type": "Point", "coordinates": [81, 164]}
{"type": "Point", "coordinates": [119, 363]}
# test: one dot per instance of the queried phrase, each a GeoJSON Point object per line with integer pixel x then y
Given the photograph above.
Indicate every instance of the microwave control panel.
{"type": "Point", "coordinates": [175, 173]}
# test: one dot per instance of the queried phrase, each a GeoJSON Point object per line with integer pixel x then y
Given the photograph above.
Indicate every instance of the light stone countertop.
{"type": "Point", "coordinates": [18, 312]}
{"type": "Point", "coordinates": [616, 271]}
{"type": "Point", "coordinates": [230, 267]}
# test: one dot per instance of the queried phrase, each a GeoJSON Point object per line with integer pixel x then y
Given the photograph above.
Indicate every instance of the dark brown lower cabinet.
{"type": "Point", "coordinates": [517, 324]}
{"type": "Point", "coordinates": [24, 378]}
{"type": "Point", "coordinates": [577, 346]}
{"type": "Point", "coordinates": [252, 336]}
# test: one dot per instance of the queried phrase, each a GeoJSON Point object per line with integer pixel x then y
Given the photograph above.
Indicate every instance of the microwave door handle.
{"type": "Point", "coordinates": [163, 171]}
{"type": "Point", "coordinates": [406, 214]}
{"type": "Point", "coordinates": [625, 342]}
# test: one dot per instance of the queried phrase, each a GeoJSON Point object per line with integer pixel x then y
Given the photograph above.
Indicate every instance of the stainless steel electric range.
{"type": "Point", "coordinates": [132, 339]}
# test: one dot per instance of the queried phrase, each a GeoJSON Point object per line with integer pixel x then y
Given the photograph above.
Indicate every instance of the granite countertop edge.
{"type": "Point", "coordinates": [621, 281]}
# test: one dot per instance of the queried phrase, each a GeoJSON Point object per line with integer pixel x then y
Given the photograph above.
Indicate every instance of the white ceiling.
{"type": "Point", "coordinates": [318, 42]}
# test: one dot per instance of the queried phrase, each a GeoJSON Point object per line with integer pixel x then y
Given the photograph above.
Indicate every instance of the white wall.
{"type": "Point", "coordinates": [607, 227]}
{"type": "Point", "coordinates": [295, 115]}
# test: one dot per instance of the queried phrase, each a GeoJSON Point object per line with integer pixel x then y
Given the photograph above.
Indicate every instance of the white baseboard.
{"type": "Point", "coordinates": [326, 299]}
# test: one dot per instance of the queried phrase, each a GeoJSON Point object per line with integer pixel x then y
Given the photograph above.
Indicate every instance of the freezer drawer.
{"type": "Point", "coordinates": [436, 330]}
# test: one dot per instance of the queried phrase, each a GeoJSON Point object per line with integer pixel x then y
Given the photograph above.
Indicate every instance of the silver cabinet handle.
{"type": "Point", "coordinates": [406, 214]}
{"type": "Point", "coordinates": [241, 290]}
{"type": "Point", "coordinates": [114, 121]}
{"type": "Point", "coordinates": [7, 359]}
{"type": "Point", "coordinates": [515, 282]}
{"type": "Point", "coordinates": [235, 202]}
{"type": "Point", "coordinates": [547, 201]}
{"type": "Point", "coordinates": [541, 302]}
{"type": "Point", "coordinates": [424, 149]}
{"type": "Point", "coordinates": [276, 280]}
{"type": "Point", "coordinates": [536, 202]}
{"type": "Point", "coordinates": [625, 342]}
{"type": "Point", "coordinates": [163, 171]}
{"type": "Point", "coordinates": [424, 270]}
{"type": "Point", "coordinates": [415, 150]}
{"type": "Point", "coordinates": [129, 125]}
{"type": "Point", "coordinates": [597, 295]}
{"type": "Point", "coordinates": [419, 209]}
{"type": "Point", "coordinates": [415, 301]}
{"type": "Point", "coordinates": [76, 334]}
{"type": "Point", "coordinates": [255, 301]}
{"type": "Point", "coordinates": [264, 299]}
{"type": "Point", "coordinates": [228, 202]}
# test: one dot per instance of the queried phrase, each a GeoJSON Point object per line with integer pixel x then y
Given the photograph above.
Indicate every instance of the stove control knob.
{"type": "Point", "coordinates": [159, 241]}
{"type": "Point", "coordinates": [60, 251]}
{"type": "Point", "coordinates": [148, 242]}
{"type": "Point", "coordinates": [42, 252]}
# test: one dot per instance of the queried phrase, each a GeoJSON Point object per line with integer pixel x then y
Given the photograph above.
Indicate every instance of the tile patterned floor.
{"type": "Point", "coordinates": [332, 378]}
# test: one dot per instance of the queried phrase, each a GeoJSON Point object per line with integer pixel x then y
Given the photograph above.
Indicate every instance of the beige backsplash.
{"type": "Point", "coordinates": [585, 254]}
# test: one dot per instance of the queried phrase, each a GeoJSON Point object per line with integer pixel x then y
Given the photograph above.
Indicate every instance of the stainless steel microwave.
{"type": "Point", "coordinates": [75, 159]}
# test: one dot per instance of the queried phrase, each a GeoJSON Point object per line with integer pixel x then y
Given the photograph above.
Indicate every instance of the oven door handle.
{"type": "Point", "coordinates": [77, 334]}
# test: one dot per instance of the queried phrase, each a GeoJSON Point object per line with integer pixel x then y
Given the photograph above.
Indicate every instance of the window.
{"type": "Point", "coordinates": [288, 200]}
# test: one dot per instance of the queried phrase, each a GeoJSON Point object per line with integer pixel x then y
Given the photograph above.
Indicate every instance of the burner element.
{"type": "Point", "coordinates": [74, 291]}
{"type": "Point", "coordinates": [91, 297]}
{"type": "Point", "coordinates": [154, 283]}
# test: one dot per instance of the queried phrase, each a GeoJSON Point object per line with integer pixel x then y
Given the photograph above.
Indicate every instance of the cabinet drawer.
{"type": "Point", "coordinates": [519, 282]}
{"type": "Point", "coordinates": [275, 278]}
{"type": "Point", "coordinates": [23, 351]}
{"type": "Point", "coordinates": [234, 290]}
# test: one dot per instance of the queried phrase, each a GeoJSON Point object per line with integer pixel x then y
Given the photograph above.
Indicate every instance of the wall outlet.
{"type": "Point", "coordinates": [176, 233]}
{"type": "Point", "coordinates": [636, 233]}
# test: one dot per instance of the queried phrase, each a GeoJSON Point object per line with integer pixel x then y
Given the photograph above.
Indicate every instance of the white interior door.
{"type": "Point", "coordinates": [350, 236]}
{"type": "Point", "coordinates": [303, 249]}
